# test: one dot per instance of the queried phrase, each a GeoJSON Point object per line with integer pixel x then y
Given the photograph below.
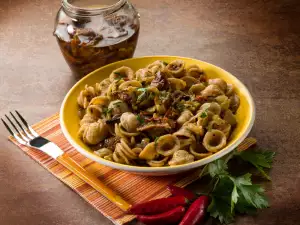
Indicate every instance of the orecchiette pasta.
{"type": "Point", "coordinates": [165, 114]}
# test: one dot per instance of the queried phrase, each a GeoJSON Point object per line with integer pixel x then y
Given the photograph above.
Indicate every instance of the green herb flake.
{"type": "Point", "coordinates": [140, 119]}
{"type": "Point", "coordinates": [165, 63]}
{"type": "Point", "coordinates": [180, 107]}
{"type": "Point", "coordinates": [203, 114]}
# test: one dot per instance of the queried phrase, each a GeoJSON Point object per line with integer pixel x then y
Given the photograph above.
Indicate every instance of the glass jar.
{"type": "Point", "coordinates": [93, 33]}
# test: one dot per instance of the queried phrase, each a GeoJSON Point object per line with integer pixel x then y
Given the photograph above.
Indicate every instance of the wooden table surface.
{"type": "Point", "coordinates": [257, 41]}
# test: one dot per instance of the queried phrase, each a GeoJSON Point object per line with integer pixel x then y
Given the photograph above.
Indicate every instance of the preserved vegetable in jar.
{"type": "Point", "coordinates": [94, 33]}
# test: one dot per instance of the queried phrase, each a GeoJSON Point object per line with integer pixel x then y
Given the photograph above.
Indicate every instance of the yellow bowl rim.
{"type": "Point", "coordinates": [167, 169]}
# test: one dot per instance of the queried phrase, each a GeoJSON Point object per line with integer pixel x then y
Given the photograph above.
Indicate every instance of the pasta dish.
{"type": "Point", "coordinates": [165, 114]}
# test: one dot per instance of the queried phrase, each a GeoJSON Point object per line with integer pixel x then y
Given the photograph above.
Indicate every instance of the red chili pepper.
{"type": "Point", "coordinates": [196, 211]}
{"type": "Point", "coordinates": [177, 191]}
{"type": "Point", "coordinates": [158, 205]}
{"type": "Point", "coordinates": [170, 217]}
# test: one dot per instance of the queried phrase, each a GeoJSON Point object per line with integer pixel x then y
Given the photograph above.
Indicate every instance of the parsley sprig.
{"type": "Point", "coordinates": [237, 194]}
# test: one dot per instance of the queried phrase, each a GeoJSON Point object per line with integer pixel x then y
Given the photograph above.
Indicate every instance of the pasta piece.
{"type": "Point", "coordinates": [212, 90]}
{"type": "Point", "coordinates": [85, 96]}
{"type": "Point", "coordinates": [176, 84]}
{"type": "Point", "coordinates": [144, 75]}
{"type": "Point", "coordinates": [95, 110]}
{"type": "Point", "coordinates": [156, 66]}
{"type": "Point", "coordinates": [196, 89]}
{"type": "Point", "coordinates": [176, 68]}
{"type": "Point", "coordinates": [120, 132]}
{"type": "Point", "coordinates": [213, 107]}
{"type": "Point", "coordinates": [87, 119]}
{"type": "Point", "coordinates": [196, 130]}
{"type": "Point", "coordinates": [199, 154]}
{"type": "Point", "coordinates": [223, 101]}
{"type": "Point", "coordinates": [99, 100]}
{"type": "Point", "coordinates": [104, 153]}
{"type": "Point", "coordinates": [97, 106]}
{"type": "Point", "coordinates": [219, 82]}
{"type": "Point", "coordinates": [229, 90]}
{"type": "Point", "coordinates": [131, 83]}
{"type": "Point", "coordinates": [102, 87]}
{"type": "Point", "coordinates": [185, 116]}
{"type": "Point", "coordinates": [189, 81]}
{"type": "Point", "coordinates": [149, 152]}
{"type": "Point", "coordinates": [118, 107]}
{"type": "Point", "coordinates": [167, 145]}
{"type": "Point", "coordinates": [158, 163]}
{"type": "Point", "coordinates": [220, 124]}
{"type": "Point", "coordinates": [185, 136]}
{"type": "Point", "coordinates": [181, 157]}
{"type": "Point", "coordinates": [93, 133]}
{"type": "Point", "coordinates": [234, 102]}
{"type": "Point", "coordinates": [123, 153]}
{"type": "Point", "coordinates": [194, 71]}
{"type": "Point", "coordinates": [215, 122]}
{"type": "Point", "coordinates": [113, 89]}
{"type": "Point", "coordinates": [123, 72]}
{"type": "Point", "coordinates": [214, 140]}
{"type": "Point", "coordinates": [129, 122]}
{"type": "Point", "coordinates": [229, 117]}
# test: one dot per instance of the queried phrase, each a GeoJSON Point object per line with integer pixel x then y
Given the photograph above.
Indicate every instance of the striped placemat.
{"type": "Point", "coordinates": [133, 188]}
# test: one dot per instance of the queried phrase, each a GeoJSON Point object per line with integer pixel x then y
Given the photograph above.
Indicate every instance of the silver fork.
{"type": "Point", "coordinates": [25, 135]}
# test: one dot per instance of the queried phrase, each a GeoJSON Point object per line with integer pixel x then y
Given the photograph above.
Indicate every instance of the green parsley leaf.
{"type": "Point", "coordinates": [252, 193]}
{"type": "Point", "coordinates": [117, 73]}
{"type": "Point", "coordinates": [259, 159]}
{"type": "Point", "coordinates": [220, 206]}
{"type": "Point", "coordinates": [220, 209]}
{"type": "Point", "coordinates": [203, 114]}
{"type": "Point", "coordinates": [165, 63]}
{"type": "Point", "coordinates": [140, 119]}
{"type": "Point", "coordinates": [180, 107]}
{"type": "Point", "coordinates": [142, 95]}
{"type": "Point", "coordinates": [234, 198]}
{"type": "Point", "coordinates": [217, 168]}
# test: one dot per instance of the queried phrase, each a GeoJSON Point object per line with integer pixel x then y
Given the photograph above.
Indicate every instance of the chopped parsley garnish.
{"type": "Point", "coordinates": [143, 94]}
{"type": "Point", "coordinates": [203, 114]}
{"type": "Point", "coordinates": [107, 111]}
{"type": "Point", "coordinates": [119, 76]}
{"type": "Point", "coordinates": [165, 63]}
{"type": "Point", "coordinates": [180, 107]}
{"type": "Point", "coordinates": [140, 119]}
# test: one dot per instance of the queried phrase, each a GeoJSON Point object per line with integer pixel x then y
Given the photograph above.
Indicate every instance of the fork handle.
{"type": "Point", "coordinates": [92, 180]}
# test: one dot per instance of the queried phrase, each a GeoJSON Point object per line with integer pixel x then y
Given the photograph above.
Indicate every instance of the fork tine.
{"type": "Point", "coordinates": [16, 129]}
{"type": "Point", "coordinates": [26, 124]}
{"type": "Point", "coordinates": [13, 134]}
{"type": "Point", "coordinates": [7, 127]}
{"type": "Point", "coordinates": [24, 130]}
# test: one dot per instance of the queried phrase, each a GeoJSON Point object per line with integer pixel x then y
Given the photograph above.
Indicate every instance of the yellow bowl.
{"type": "Point", "coordinates": [69, 119]}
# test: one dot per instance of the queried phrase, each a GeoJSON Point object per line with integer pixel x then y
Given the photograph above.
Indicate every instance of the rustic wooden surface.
{"type": "Point", "coordinates": [258, 41]}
